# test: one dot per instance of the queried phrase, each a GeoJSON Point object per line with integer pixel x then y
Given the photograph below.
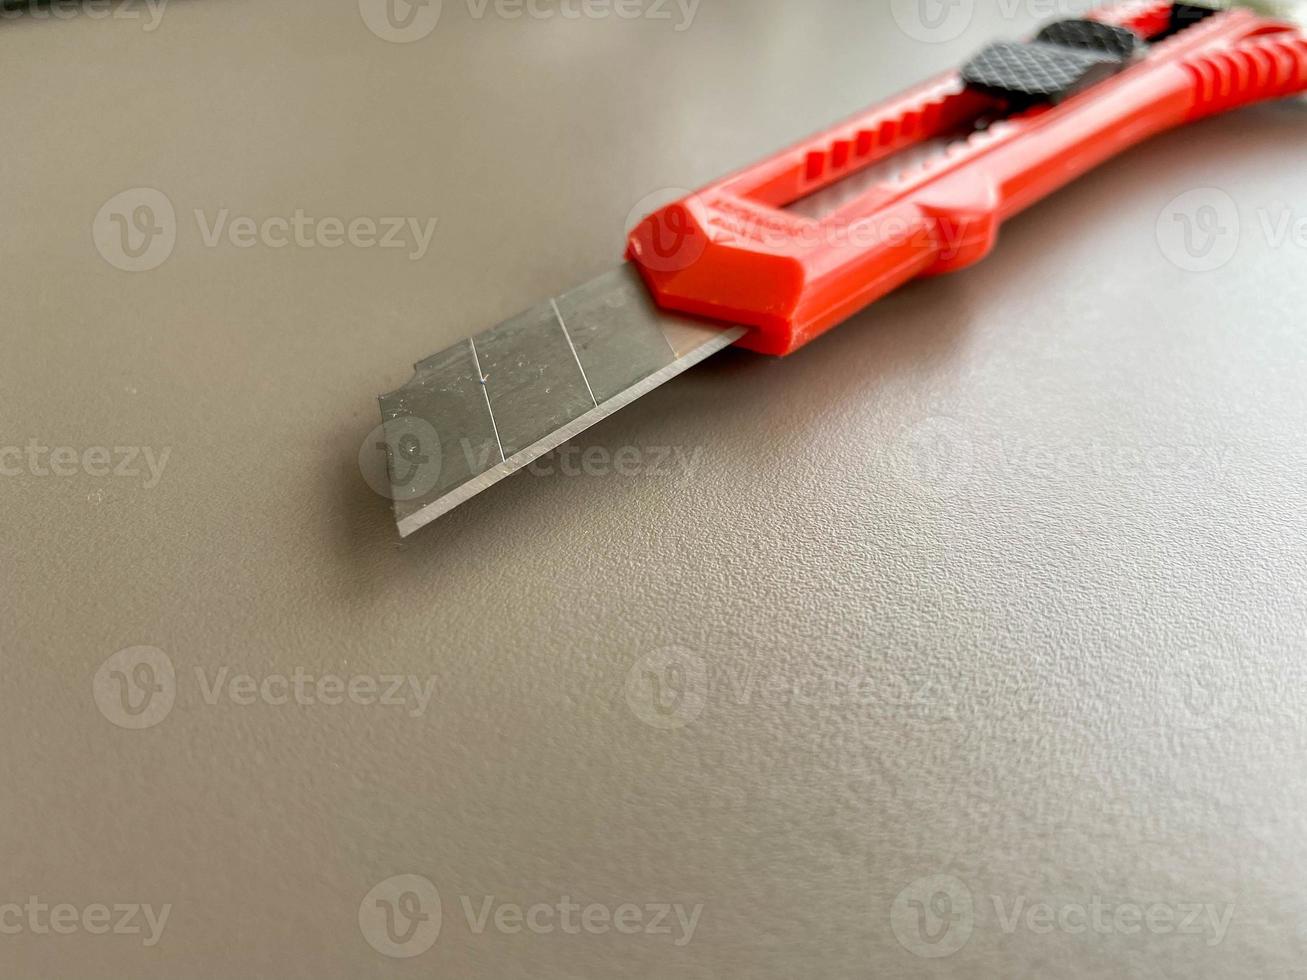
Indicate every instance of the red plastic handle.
{"type": "Point", "coordinates": [732, 252]}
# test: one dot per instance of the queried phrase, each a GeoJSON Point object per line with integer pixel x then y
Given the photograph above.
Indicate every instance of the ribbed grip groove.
{"type": "Point", "coordinates": [1269, 67]}
{"type": "Point", "coordinates": [938, 113]}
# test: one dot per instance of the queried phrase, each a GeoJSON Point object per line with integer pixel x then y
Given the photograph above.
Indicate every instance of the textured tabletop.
{"type": "Point", "coordinates": [966, 642]}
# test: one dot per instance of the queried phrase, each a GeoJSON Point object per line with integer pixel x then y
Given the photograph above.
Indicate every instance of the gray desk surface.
{"type": "Point", "coordinates": [1001, 582]}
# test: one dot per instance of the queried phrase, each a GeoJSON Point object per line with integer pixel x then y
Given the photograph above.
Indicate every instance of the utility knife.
{"type": "Point", "coordinates": [774, 255]}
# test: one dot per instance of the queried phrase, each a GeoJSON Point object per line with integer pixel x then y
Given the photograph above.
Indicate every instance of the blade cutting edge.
{"type": "Point", "coordinates": [486, 407]}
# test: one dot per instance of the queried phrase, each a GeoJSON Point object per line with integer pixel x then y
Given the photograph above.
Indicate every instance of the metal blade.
{"type": "Point", "coordinates": [490, 405]}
